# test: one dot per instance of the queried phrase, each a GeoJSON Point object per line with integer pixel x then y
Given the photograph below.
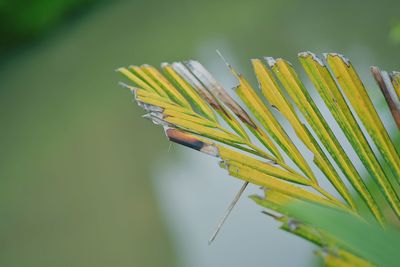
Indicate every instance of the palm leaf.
{"type": "Point", "coordinates": [190, 105]}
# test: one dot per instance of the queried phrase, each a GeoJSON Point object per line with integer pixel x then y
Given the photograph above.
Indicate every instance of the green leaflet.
{"type": "Point", "coordinates": [347, 232]}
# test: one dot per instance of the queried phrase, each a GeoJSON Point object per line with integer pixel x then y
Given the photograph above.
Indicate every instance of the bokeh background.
{"type": "Point", "coordinates": [85, 181]}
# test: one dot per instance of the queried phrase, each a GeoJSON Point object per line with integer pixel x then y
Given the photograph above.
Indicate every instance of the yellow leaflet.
{"type": "Point", "coordinates": [334, 261]}
{"type": "Point", "coordinates": [278, 198]}
{"type": "Point", "coordinates": [353, 259]}
{"type": "Point", "coordinates": [358, 97]}
{"type": "Point", "coordinates": [253, 106]}
{"type": "Point", "coordinates": [266, 80]}
{"type": "Point", "coordinates": [270, 90]}
{"type": "Point", "coordinates": [232, 122]}
{"type": "Point", "coordinates": [228, 154]}
{"type": "Point", "coordinates": [341, 258]}
{"type": "Point", "coordinates": [210, 99]}
{"type": "Point", "coordinates": [156, 102]}
{"type": "Point", "coordinates": [160, 102]}
{"type": "Point", "coordinates": [144, 93]}
{"type": "Point", "coordinates": [189, 117]}
{"type": "Point", "coordinates": [166, 85]}
{"type": "Point", "coordinates": [267, 168]}
{"type": "Point", "coordinates": [251, 150]}
{"type": "Point", "coordinates": [300, 96]}
{"type": "Point", "coordinates": [190, 92]}
{"type": "Point", "coordinates": [149, 80]}
{"type": "Point", "coordinates": [266, 118]}
{"type": "Point", "coordinates": [332, 96]}
{"type": "Point", "coordinates": [274, 95]}
{"type": "Point", "coordinates": [303, 100]}
{"type": "Point", "coordinates": [136, 80]}
{"type": "Point", "coordinates": [205, 131]}
{"type": "Point", "coordinates": [171, 108]}
{"type": "Point", "coordinates": [247, 120]}
{"type": "Point", "coordinates": [280, 202]}
{"type": "Point", "coordinates": [266, 141]}
{"type": "Point", "coordinates": [326, 86]}
{"type": "Point", "coordinates": [276, 201]}
{"type": "Point", "coordinates": [256, 177]}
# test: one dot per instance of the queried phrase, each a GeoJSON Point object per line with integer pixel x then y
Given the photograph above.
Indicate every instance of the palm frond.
{"type": "Point", "coordinates": [190, 105]}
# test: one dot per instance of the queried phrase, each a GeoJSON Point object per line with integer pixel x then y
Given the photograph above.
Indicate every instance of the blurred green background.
{"type": "Point", "coordinates": [76, 157]}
